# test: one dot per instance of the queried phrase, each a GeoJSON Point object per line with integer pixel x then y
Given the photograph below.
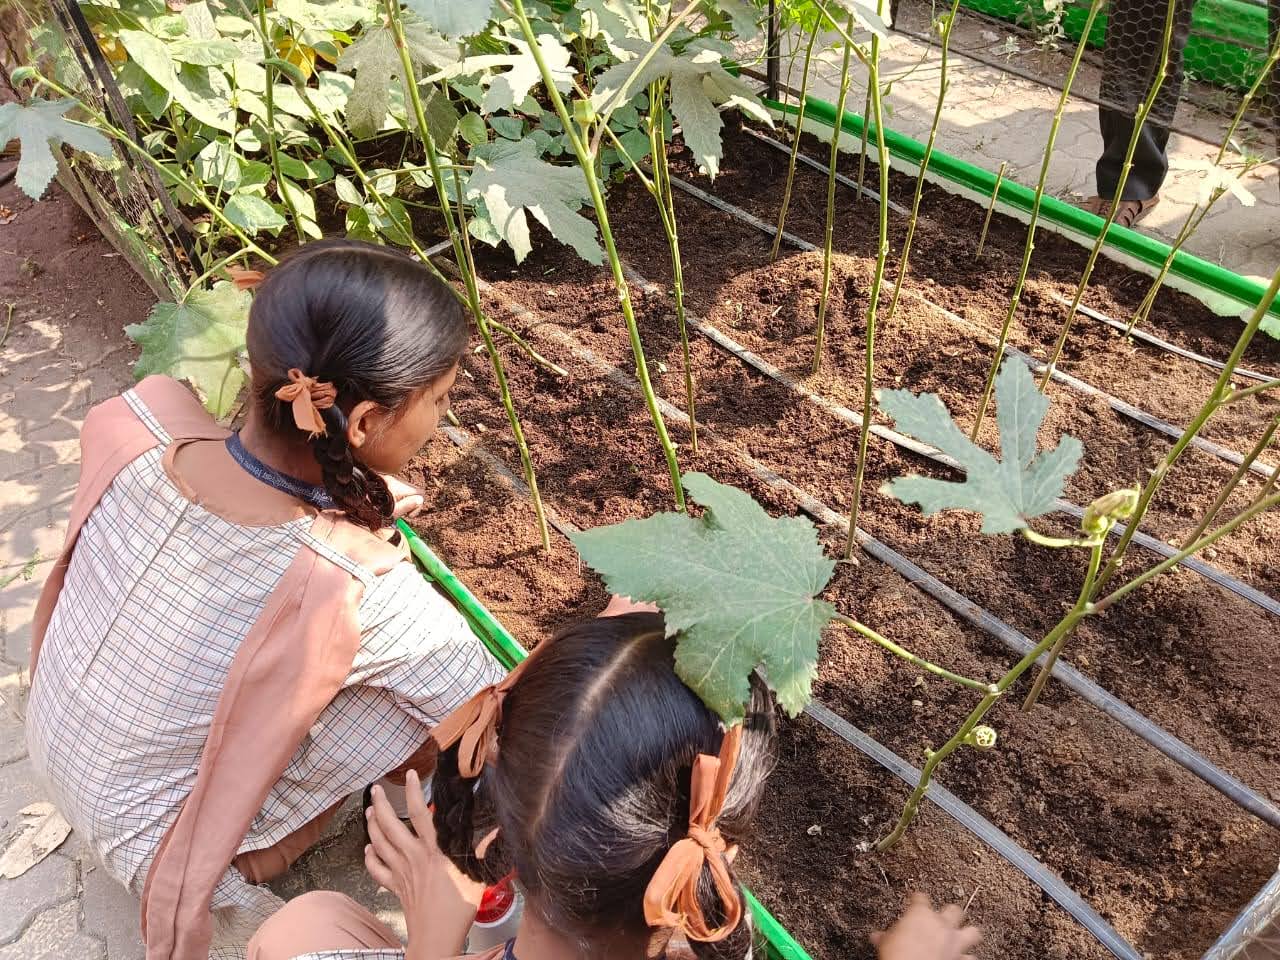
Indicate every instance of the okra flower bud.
{"type": "Point", "coordinates": [1108, 508]}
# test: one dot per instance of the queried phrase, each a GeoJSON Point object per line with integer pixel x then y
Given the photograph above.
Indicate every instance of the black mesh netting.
{"type": "Point", "coordinates": [1217, 51]}
{"type": "Point", "coordinates": [126, 198]}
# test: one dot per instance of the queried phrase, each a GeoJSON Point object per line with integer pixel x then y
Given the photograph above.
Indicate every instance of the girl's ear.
{"type": "Point", "coordinates": [364, 420]}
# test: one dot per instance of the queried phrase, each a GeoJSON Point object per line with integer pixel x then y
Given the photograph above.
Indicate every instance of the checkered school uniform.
{"type": "Point", "coordinates": [158, 596]}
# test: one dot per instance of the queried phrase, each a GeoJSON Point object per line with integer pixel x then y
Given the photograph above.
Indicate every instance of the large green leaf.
{"type": "Point", "coordinates": [510, 88]}
{"type": "Point", "coordinates": [202, 91]}
{"type": "Point", "coordinates": [1009, 493]}
{"type": "Point", "coordinates": [454, 18]}
{"type": "Point", "coordinates": [252, 214]}
{"type": "Point", "coordinates": [375, 60]}
{"type": "Point", "coordinates": [698, 85]}
{"type": "Point", "coordinates": [39, 125]}
{"type": "Point", "coordinates": [199, 340]}
{"type": "Point", "coordinates": [738, 586]}
{"type": "Point", "coordinates": [512, 180]}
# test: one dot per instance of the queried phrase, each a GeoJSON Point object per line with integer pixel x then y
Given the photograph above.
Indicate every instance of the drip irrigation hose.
{"type": "Point", "coordinates": [1121, 407]}
{"type": "Point", "coordinates": [1003, 845]}
{"type": "Point", "coordinates": [1163, 741]}
{"type": "Point", "coordinates": [1137, 333]}
{"type": "Point", "coordinates": [1208, 281]}
{"type": "Point", "coordinates": [823, 168]}
{"type": "Point", "coordinates": [983, 829]}
{"type": "Point", "coordinates": [1173, 748]}
{"type": "Point", "coordinates": [1220, 577]}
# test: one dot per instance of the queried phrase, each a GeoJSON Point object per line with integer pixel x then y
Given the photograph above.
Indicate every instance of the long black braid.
{"type": "Point", "coordinates": [368, 319]}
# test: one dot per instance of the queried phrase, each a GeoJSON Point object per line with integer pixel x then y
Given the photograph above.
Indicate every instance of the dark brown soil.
{"type": "Point", "coordinates": [1129, 830]}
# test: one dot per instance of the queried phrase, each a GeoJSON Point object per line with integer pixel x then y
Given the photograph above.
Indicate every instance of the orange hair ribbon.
{"type": "Point", "coordinates": [245, 279]}
{"type": "Point", "coordinates": [308, 396]}
{"type": "Point", "coordinates": [474, 726]}
{"type": "Point", "coordinates": [671, 899]}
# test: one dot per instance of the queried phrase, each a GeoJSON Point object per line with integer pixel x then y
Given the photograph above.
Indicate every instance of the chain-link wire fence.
{"type": "Point", "coordinates": [126, 199]}
{"type": "Point", "coordinates": [1217, 50]}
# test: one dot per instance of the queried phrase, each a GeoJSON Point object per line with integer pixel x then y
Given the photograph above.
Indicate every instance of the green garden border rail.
{"type": "Point", "coordinates": [1228, 43]}
{"type": "Point", "coordinates": [1221, 290]}
{"type": "Point", "coordinates": [508, 652]}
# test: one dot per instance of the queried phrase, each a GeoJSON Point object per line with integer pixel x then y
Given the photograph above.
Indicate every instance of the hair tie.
{"type": "Point", "coordinates": [474, 725]}
{"type": "Point", "coordinates": [245, 279]}
{"type": "Point", "coordinates": [308, 396]}
{"type": "Point", "coordinates": [671, 899]}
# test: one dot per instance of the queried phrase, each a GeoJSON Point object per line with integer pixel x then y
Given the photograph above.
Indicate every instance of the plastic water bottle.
{"type": "Point", "coordinates": [498, 917]}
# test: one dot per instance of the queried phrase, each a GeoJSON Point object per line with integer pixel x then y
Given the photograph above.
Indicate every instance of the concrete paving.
{"type": "Point", "coordinates": [56, 362]}
{"type": "Point", "coordinates": [992, 116]}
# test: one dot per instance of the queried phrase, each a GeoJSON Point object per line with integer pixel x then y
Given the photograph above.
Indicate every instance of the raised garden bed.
{"type": "Point", "coordinates": [1164, 858]}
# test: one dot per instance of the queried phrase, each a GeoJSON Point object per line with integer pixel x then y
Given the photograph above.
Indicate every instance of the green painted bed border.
{"type": "Point", "coordinates": [508, 651]}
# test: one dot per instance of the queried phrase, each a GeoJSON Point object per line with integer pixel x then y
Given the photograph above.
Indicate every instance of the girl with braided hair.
{"type": "Point", "coordinates": [614, 796]}
{"type": "Point", "coordinates": [234, 639]}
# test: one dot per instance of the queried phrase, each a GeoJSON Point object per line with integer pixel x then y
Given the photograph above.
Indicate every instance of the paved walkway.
{"type": "Point", "coordinates": [992, 116]}
{"type": "Point", "coordinates": [64, 351]}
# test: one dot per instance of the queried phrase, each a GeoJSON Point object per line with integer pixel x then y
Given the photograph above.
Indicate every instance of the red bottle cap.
{"type": "Point", "coordinates": [497, 901]}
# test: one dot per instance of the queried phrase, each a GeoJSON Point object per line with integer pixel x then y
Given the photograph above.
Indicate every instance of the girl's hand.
{"type": "Point", "coordinates": [439, 902]}
{"type": "Point", "coordinates": [408, 499]}
{"type": "Point", "coordinates": [923, 933]}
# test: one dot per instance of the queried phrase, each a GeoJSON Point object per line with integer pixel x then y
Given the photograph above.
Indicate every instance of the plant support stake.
{"type": "Point", "coordinates": [462, 256]}
{"type": "Point", "coordinates": [1030, 245]}
{"type": "Point", "coordinates": [1139, 121]}
{"type": "Point", "coordinates": [587, 165]}
{"type": "Point", "coordinates": [944, 29]}
{"type": "Point", "coordinates": [873, 301]}
{"type": "Point", "coordinates": [828, 231]}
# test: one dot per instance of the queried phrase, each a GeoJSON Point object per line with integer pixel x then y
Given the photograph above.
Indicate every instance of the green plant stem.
{"type": "Point", "coordinates": [8, 322]}
{"type": "Point", "coordinates": [991, 208]}
{"type": "Point", "coordinates": [1211, 405]}
{"type": "Point", "coordinates": [976, 715]}
{"type": "Point", "coordinates": [195, 284]}
{"type": "Point", "coordinates": [460, 239]}
{"type": "Point", "coordinates": [269, 101]}
{"type": "Point", "coordinates": [1225, 493]}
{"type": "Point", "coordinates": [1083, 608]}
{"type": "Point", "coordinates": [528, 348]}
{"type": "Point", "coordinates": [873, 298]}
{"type": "Point", "coordinates": [1188, 227]}
{"type": "Point", "coordinates": [1139, 121]}
{"type": "Point", "coordinates": [1057, 542]}
{"type": "Point", "coordinates": [862, 147]}
{"type": "Point", "coordinates": [907, 655]}
{"type": "Point", "coordinates": [106, 126]}
{"type": "Point", "coordinates": [945, 32]}
{"type": "Point", "coordinates": [1237, 395]}
{"type": "Point", "coordinates": [1259, 505]}
{"type": "Point", "coordinates": [611, 250]}
{"type": "Point", "coordinates": [1094, 7]}
{"type": "Point", "coordinates": [1086, 591]}
{"type": "Point", "coordinates": [795, 142]}
{"type": "Point", "coordinates": [618, 99]}
{"type": "Point", "coordinates": [829, 229]}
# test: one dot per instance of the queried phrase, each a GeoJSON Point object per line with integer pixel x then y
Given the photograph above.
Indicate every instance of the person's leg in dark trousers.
{"type": "Point", "coordinates": [1130, 61]}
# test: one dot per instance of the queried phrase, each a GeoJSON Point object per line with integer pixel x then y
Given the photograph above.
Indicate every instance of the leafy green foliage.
{"type": "Point", "coordinates": [512, 181]}
{"type": "Point", "coordinates": [375, 60]}
{"type": "Point", "coordinates": [454, 18]}
{"type": "Point", "coordinates": [738, 586]}
{"type": "Point", "coordinates": [199, 340]}
{"type": "Point", "coordinates": [40, 126]}
{"type": "Point", "coordinates": [698, 85]}
{"type": "Point", "coordinates": [1009, 493]}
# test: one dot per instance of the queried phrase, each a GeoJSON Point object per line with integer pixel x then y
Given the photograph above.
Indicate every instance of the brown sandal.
{"type": "Point", "coordinates": [1128, 212]}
